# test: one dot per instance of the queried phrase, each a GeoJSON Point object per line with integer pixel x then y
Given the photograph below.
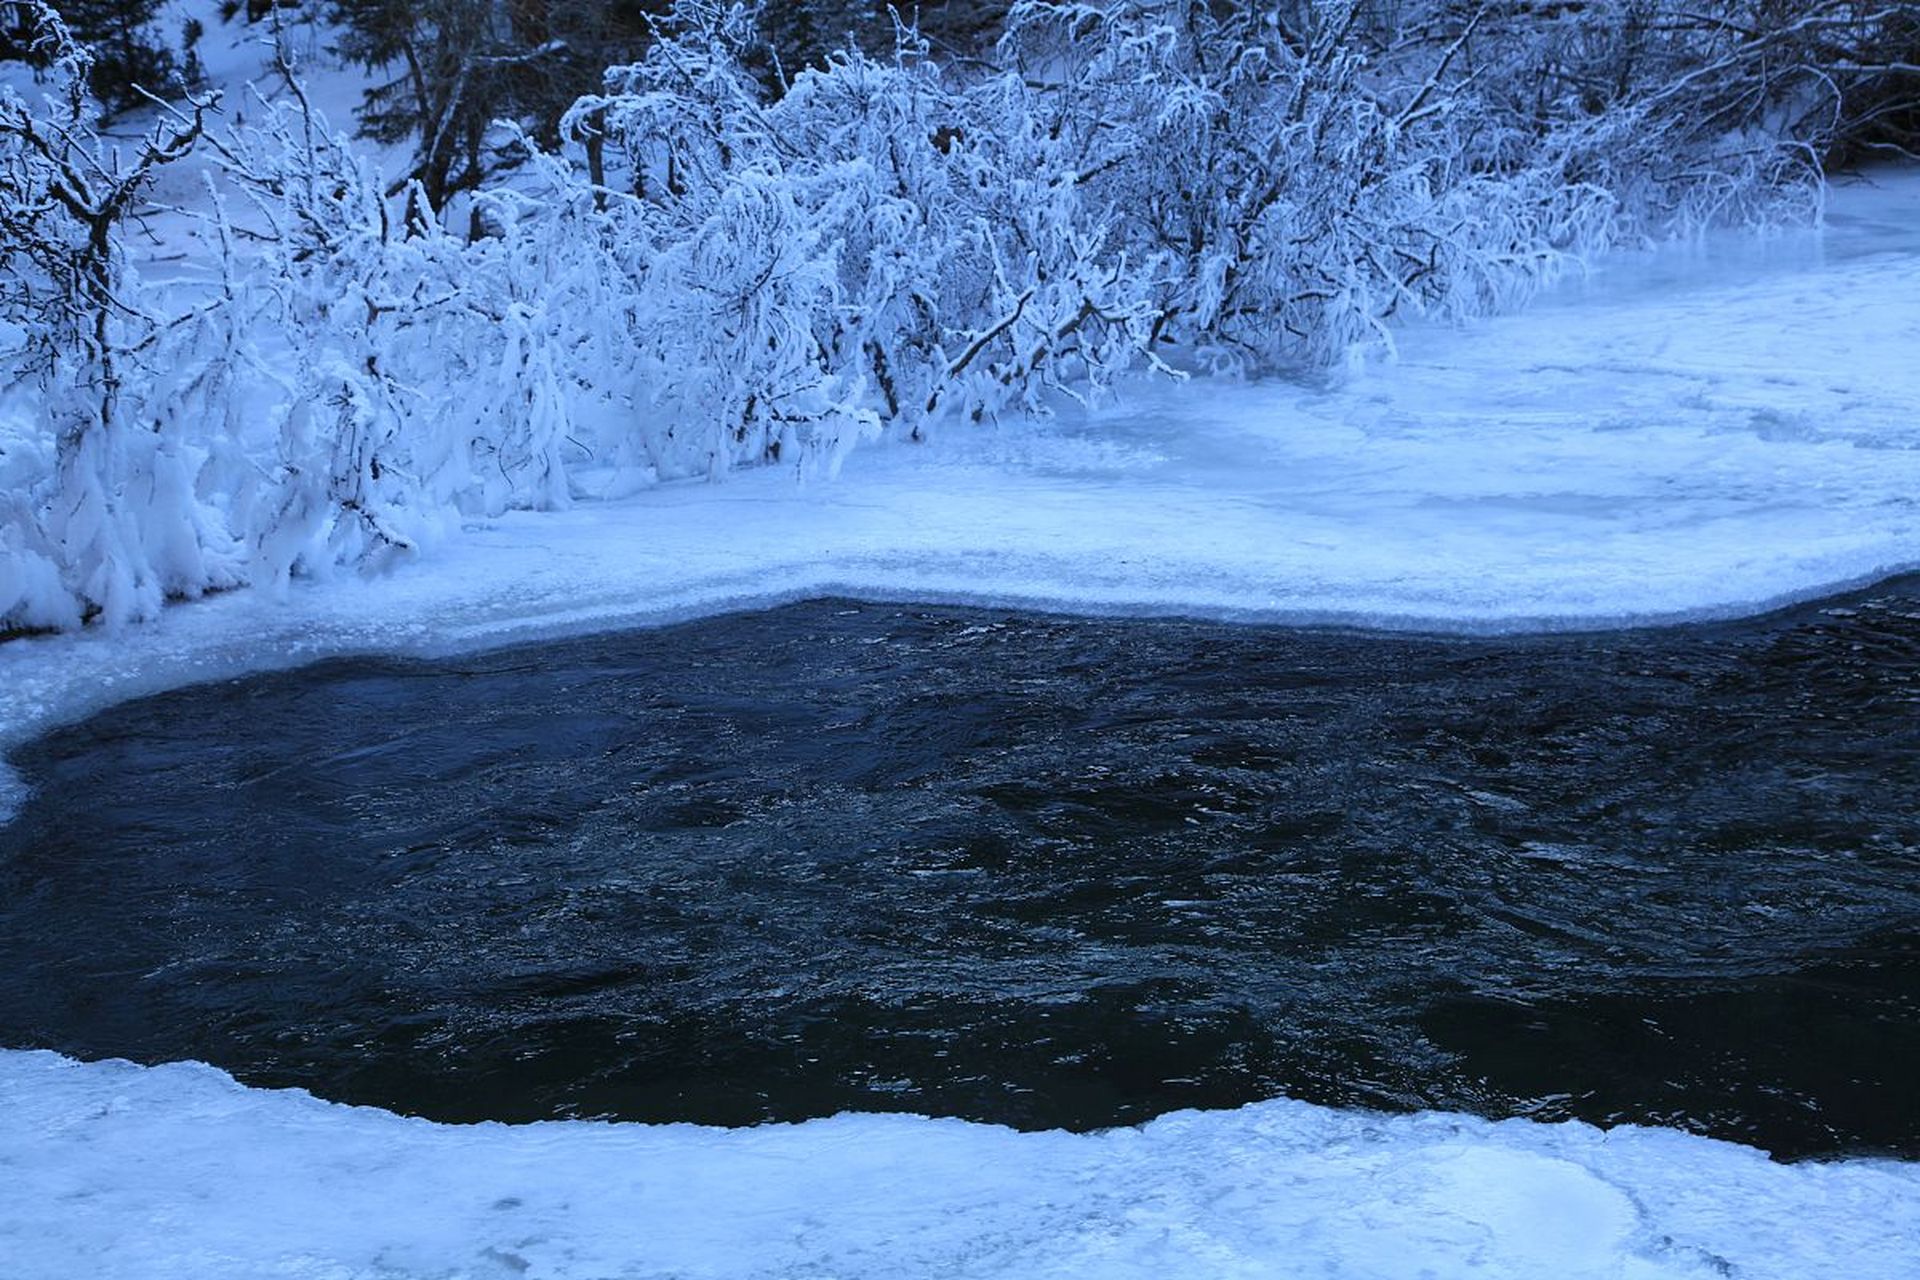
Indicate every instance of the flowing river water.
{"type": "Point", "coordinates": [1024, 869]}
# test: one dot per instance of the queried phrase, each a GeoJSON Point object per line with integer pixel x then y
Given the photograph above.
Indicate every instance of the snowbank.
{"type": "Point", "coordinates": [177, 1171]}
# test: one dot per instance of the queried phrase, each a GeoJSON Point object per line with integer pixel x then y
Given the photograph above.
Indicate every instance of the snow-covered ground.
{"type": "Point", "coordinates": [113, 1170]}
{"type": "Point", "coordinates": [1689, 434]}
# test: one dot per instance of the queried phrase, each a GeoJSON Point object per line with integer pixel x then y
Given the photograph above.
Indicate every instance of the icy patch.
{"type": "Point", "coordinates": [177, 1171]}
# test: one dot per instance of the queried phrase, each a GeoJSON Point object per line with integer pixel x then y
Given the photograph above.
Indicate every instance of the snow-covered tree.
{"type": "Point", "coordinates": [118, 518]}
{"type": "Point", "coordinates": [721, 259]}
{"type": "Point", "coordinates": [129, 50]}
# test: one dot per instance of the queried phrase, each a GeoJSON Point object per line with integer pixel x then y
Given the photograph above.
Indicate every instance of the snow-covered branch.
{"type": "Point", "coordinates": [716, 268]}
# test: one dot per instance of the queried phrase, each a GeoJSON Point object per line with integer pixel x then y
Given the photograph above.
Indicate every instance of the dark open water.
{"type": "Point", "coordinates": [1032, 870]}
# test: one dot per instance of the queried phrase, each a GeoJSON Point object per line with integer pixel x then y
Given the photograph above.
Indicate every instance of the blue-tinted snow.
{"type": "Point", "coordinates": [178, 1172]}
{"type": "Point", "coordinates": [1693, 433]}
{"type": "Point", "coordinates": [1699, 435]}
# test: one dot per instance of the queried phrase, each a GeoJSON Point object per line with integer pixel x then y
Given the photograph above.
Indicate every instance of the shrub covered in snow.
{"type": "Point", "coordinates": [107, 523]}
{"type": "Point", "coordinates": [709, 274]}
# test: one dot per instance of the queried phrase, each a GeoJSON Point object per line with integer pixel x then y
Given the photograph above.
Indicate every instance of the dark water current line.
{"type": "Point", "coordinates": [1032, 870]}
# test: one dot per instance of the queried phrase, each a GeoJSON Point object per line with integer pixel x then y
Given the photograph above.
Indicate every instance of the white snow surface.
{"type": "Point", "coordinates": [1689, 434]}
{"type": "Point", "coordinates": [176, 1171]}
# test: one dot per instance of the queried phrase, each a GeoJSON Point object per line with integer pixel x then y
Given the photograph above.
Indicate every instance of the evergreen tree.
{"type": "Point", "coordinates": [802, 33]}
{"type": "Point", "coordinates": [447, 69]}
{"type": "Point", "coordinates": [129, 51]}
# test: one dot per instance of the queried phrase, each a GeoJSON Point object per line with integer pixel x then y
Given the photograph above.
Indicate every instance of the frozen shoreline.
{"type": "Point", "coordinates": [178, 1172]}
{"type": "Point", "coordinates": [1706, 434]}
{"type": "Point", "coordinates": [1712, 445]}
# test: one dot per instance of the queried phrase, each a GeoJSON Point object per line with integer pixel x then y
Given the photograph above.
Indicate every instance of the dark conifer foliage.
{"type": "Point", "coordinates": [130, 49]}
{"type": "Point", "coordinates": [804, 33]}
{"type": "Point", "coordinates": [446, 70]}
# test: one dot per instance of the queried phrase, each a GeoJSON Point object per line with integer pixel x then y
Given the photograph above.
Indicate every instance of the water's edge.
{"type": "Point", "coordinates": [1096, 820]}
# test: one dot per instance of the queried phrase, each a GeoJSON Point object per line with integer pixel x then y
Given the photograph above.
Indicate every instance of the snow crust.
{"type": "Point", "coordinates": [176, 1171]}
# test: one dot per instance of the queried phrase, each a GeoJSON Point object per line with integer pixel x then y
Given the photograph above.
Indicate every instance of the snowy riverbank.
{"type": "Point", "coordinates": [177, 1172]}
{"type": "Point", "coordinates": [1689, 434]}
{"type": "Point", "coordinates": [1692, 437]}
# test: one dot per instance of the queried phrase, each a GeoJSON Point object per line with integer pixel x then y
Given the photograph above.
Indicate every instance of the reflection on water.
{"type": "Point", "coordinates": [1032, 870]}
